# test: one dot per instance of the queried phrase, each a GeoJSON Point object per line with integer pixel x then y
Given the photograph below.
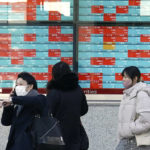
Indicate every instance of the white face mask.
{"type": "Point", "coordinates": [21, 90]}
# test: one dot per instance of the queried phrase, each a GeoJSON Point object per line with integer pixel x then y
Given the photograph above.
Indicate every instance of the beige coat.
{"type": "Point", "coordinates": [134, 111]}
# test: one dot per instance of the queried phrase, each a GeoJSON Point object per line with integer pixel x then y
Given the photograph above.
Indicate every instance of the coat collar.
{"type": "Point", "coordinates": [33, 93]}
{"type": "Point", "coordinates": [65, 83]}
{"type": "Point", "coordinates": [132, 91]}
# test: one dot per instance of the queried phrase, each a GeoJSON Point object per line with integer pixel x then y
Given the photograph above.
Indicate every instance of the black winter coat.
{"type": "Point", "coordinates": [20, 137]}
{"type": "Point", "coordinates": [67, 103]}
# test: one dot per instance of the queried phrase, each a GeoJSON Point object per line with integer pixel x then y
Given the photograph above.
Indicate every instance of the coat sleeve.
{"type": "Point", "coordinates": [142, 121]}
{"type": "Point", "coordinates": [38, 102]}
{"type": "Point", "coordinates": [7, 115]}
{"type": "Point", "coordinates": [84, 105]}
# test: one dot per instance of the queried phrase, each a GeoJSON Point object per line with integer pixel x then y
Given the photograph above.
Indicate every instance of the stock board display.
{"type": "Point", "coordinates": [33, 49]}
{"type": "Point", "coordinates": [36, 10]}
{"type": "Point", "coordinates": [104, 51]}
{"type": "Point", "coordinates": [114, 10]}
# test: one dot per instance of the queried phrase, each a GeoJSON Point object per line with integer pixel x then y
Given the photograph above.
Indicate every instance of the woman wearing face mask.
{"type": "Point", "coordinates": [19, 112]}
{"type": "Point", "coordinates": [134, 112]}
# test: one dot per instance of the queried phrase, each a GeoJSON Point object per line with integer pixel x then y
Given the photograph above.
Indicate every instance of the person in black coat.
{"type": "Point", "coordinates": [20, 110]}
{"type": "Point", "coordinates": [67, 103]}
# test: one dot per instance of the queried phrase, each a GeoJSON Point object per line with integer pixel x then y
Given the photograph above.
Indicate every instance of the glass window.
{"type": "Point", "coordinates": [104, 51]}
{"type": "Point", "coordinates": [33, 49]}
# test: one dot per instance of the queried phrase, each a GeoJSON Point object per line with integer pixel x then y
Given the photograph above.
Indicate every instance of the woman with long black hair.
{"type": "Point", "coordinates": [67, 103]}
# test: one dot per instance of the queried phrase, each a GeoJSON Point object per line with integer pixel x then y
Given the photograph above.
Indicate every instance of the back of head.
{"type": "Point", "coordinates": [60, 69]}
{"type": "Point", "coordinates": [62, 78]}
{"type": "Point", "coordinates": [132, 72]}
{"type": "Point", "coordinates": [29, 79]}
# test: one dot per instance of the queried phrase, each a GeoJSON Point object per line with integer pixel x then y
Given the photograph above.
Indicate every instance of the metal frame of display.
{"type": "Point", "coordinates": [75, 35]}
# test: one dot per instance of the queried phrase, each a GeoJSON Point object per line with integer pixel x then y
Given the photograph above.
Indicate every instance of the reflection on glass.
{"type": "Point", "coordinates": [61, 7]}
{"type": "Point", "coordinates": [21, 11]}
{"type": "Point", "coordinates": [145, 8]}
{"type": "Point", "coordinates": [13, 11]}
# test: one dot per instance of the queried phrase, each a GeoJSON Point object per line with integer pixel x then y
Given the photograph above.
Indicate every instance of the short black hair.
{"type": "Point", "coordinates": [28, 78]}
{"type": "Point", "coordinates": [132, 72]}
{"type": "Point", "coordinates": [60, 69]}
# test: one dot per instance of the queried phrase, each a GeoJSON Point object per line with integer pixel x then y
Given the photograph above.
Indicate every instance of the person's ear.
{"type": "Point", "coordinates": [30, 87]}
{"type": "Point", "coordinates": [135, 80]}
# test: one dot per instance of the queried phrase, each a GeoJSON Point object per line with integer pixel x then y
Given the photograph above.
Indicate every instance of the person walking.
{"type": "Point", "coordinates": [67, 102]}
{"type": "Point", "coordinates": [134, 112]}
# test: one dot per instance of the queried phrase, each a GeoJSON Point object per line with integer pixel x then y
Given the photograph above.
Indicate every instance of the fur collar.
{"type": "Point", "coordinates": [65, 83]}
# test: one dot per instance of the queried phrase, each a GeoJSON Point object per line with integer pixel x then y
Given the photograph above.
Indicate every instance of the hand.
{"type": "Point", "coordinates": [6, 102]}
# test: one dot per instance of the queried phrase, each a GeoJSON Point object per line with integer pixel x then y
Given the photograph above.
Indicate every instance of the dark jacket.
{"type": "Point", "coordinates": [20, 137]}
{"type": "Point", "coordinates": [67, 103]}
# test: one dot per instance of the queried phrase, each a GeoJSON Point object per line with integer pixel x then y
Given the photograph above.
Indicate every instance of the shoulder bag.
{"type": "Point", "coordinates": [46, 133]}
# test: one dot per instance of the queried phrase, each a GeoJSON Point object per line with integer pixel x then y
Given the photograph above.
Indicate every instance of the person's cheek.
{"type": "Point", "coordinates": [127, 83]}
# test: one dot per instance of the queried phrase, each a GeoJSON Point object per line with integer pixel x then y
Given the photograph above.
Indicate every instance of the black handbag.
{"type": "Point", "coordinates": [46, 133]}
{"type": "Point", "coordinates": [84, 140]}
